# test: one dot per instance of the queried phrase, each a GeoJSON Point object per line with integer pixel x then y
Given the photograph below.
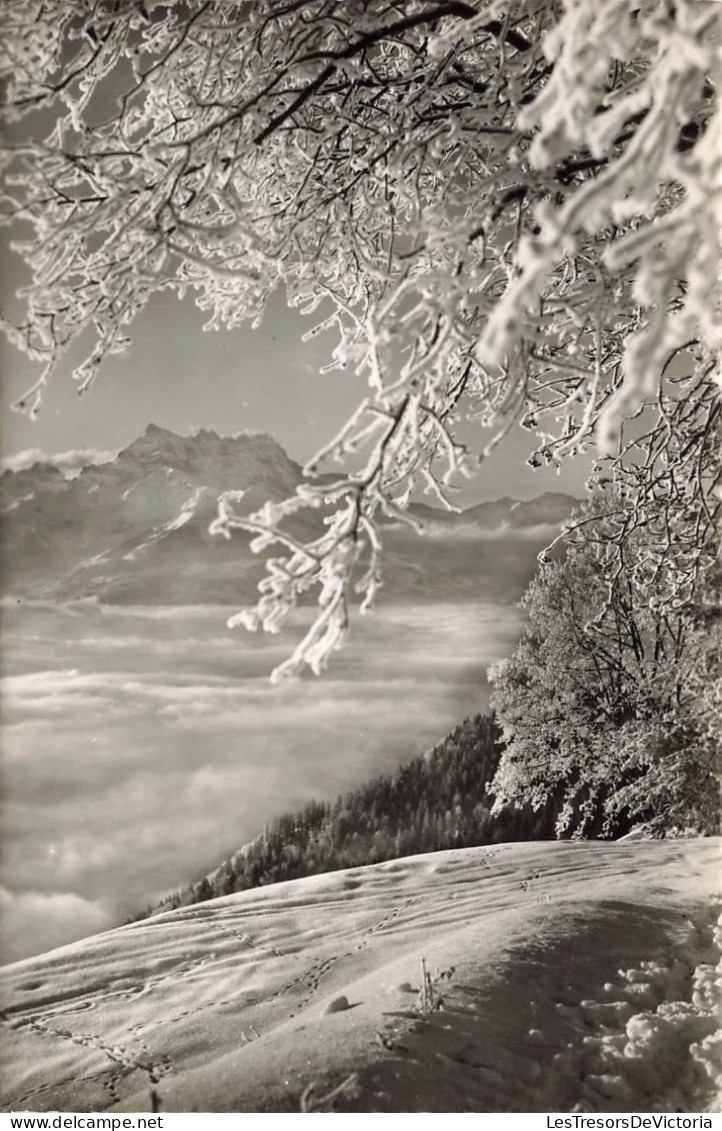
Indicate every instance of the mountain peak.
{"type": "Point", "coordinates": [218, 462]}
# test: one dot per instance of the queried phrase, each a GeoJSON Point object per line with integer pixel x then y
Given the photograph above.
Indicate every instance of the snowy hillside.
{"type": "Point", "coordinates": [135, 530]}
{"type": "Point", "coordinates": [562, 976]}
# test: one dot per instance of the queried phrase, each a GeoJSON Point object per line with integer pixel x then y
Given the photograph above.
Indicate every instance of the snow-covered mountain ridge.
{"type": "Point", "coordinates": [135, 529]}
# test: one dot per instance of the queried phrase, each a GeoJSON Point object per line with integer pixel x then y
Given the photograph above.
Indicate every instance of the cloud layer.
{"type": "Point", "coordinates": [475, 532]}
{"type": "Point", "coordinates": [30, 916]}
{"type": "Point", "coordinates": [142, 745]}
{"type": "Point", "coordinates": [71, 463]}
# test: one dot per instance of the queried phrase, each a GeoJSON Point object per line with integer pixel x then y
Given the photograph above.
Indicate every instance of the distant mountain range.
{"type": "Point", "coordinates": [135, 529]}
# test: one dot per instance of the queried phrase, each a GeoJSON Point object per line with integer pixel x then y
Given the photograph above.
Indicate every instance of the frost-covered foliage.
{"type": "Point", "coordinates": [610, 706]}
{"type": "Point", "coordinates": [497, 209]}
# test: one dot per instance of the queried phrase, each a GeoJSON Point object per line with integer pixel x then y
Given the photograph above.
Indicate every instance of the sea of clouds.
{"type": "Point", "coordinates": [71, 463]}
{"type": "Point", "coordinates": [142, 745]}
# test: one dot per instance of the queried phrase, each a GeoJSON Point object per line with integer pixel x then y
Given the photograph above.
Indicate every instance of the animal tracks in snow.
{"type": "Point", "coordinates": [251, 976]}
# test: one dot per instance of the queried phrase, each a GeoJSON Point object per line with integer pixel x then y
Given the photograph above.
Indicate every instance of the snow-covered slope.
{"type": "Point", "coordinates": [577, 976]}
{"type": "Point", "coordinates": [135, 530]}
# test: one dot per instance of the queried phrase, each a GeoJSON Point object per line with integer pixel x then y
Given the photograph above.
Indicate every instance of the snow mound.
{"type": "Point", "coordinates": [669, 1049]}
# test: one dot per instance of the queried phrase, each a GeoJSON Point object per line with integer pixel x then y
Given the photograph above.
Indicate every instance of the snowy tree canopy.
{"type": "Point", "coordinates": [610, 706]}
{"type": "Point", "coordinates": [498, 210]}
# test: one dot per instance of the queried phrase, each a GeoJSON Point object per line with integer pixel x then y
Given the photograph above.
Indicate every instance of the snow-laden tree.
{"type": "Point", "coordinates": [498, 210]}
{"type": "Point", "coordinates": [610, 705]}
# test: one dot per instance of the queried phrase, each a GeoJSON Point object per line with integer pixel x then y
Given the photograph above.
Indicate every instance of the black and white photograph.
{"type": "Point", "coordinates": [361, 632]}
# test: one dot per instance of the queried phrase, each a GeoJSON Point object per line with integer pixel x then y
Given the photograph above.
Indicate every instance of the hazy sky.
{"type": "Point", "coordinates": [180, 377]}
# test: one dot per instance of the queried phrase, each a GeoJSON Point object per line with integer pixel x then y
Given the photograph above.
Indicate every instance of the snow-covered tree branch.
{"type": "Point", "coordinates": [495, 210]}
